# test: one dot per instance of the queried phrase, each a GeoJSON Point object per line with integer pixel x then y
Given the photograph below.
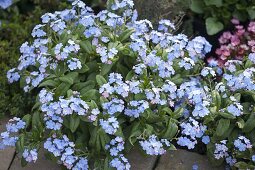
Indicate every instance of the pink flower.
{"type": "Point", "coordinates": [240, 51]}
{"type": "Point", "coordinates": [251, 27]}
{"type": "Point", "coordinates": [221, 63]}
{"type": "Point", "coordinates": [223, 40]}
{"type": "Point", "coordinates": [223, 52]}
{"type": "Point", "coordinates": [105, 94]}
{"type": "Point", "coordinates": [244, 47]}
{"type": "Point", "coordinates": [237, 44]}
{"type": "Point", "coordinates": [240, 32]}
{"type": "Point", "coordinates": [235, 40]}
{"type": "Point", "coordinates": [239, 27]}
{"type": "Point", "coordinates": [251, 42]}
{"type": "Point", "coordinates": [218, 51]}
{"type": "Point", "coordinates": [226, 52]}
{"type": "Point", "coordinates": [253, 49]}
{"type": "Point", "coordinates": [235, 21]}
{"type": "Point", "coordinates": [227, 35]}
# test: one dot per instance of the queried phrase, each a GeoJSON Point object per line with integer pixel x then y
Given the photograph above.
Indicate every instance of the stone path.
{"type": "Point", "coordinates": [41, 164]}
{"type": "Point", "coordinates": [6, 155]}
{"type": "Point", "coordinates": [184, 160]}
{"type": "Point", "coordinates": [173, 160]}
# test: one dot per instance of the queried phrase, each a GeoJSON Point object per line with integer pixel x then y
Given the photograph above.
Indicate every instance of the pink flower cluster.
{"type": "Point", "coordinates": [236, 44]}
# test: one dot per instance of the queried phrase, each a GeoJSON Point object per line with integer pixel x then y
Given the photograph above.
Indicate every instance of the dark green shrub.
{"type": "Point", "coordinates": [218, 13]}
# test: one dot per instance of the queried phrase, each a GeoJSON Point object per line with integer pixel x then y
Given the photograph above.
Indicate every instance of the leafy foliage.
{"type": "Point", "coordinates": [218, 13]}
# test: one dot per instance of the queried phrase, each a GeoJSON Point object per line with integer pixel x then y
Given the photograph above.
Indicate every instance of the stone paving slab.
{"type": "Point", "coordinates": [41, 164]}
{"type": "Point", "coordinates": [173, 160]}
{"type": "Point", "coordinates": [7, 154]}
{"type": "Point", "coordinates": [184, 160]}
{"type": "Point", "coordinates": [139, 162]}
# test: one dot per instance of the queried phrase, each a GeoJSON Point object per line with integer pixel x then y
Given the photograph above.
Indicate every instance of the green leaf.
{"type": "Point", "coordinates": [167, 110]}
{"type": "Point", "coordinates": [61, 69]}
{"type": "Point", "coordinates": [95, 141]}
{"type": "Point", "coordinates": [249, 124]}
{"type": "Point", "coordinates": [122, 69]}
{"type": "Point", "coordinates": [240, 6]}
{"type": "Point", "coordinates": [103, 100]}
{"type": "Point", "coordinates": [119, 132]}
{"type": "Point", "coordinates": [248, 64]}
{"type": "Point", "coordinates": [233, 135]}
{"type": "Point", "coordinates": [113, 45]}
{"type": "Point", "coordinates": [93, 104]}
{"type": "Point", "coordinates": [197, 6]}
{"type": "Point", "coordinates": [140, 96]}
{"type": "Point", "coordinates": [171, 130]}
{"type": "Point", "coordinates": [93, 66]}
{"type": "Point", "coordinates": [177, 79]}
{"type": "Point", "coordinates": [36, 120]}
{"type": "Point", "coordinates": [222, 127]}
{"type": "Point", "coordinates": [172, 148]}
{"type": "Point", "coordinates": [178, 113]}
{"type": "Point", "coordinates": [251, 12]}
{"type": "Point", "coordinates": [100, 80]}
{"type": "Point", "coordinates": [217, 3]}
{"type": "Point", "coordinates": [106, 164]}
{"type": "Point", "coordinates": [92, 94]}
{"type": "Point", "coordinates": [27, 119]}
{"type": "Point", "coordinates": [84, 69]}
{"type": "Point", "coordinates": [227, 115]}
{"type": "Point", "coordinates": [130, 75]}
{"type": "Point", "coordinates": [240, 15]}
{"type": "Point", "coordinates": [69, 93]}
{"type": "Point", "coordinates": [20, 143]}
{"type": "Point", "coordinates": [23, 162]}
{"type": "Point", "coordinates": [149, 129]}
{"type": "Point", "coordinates": [237, 96]}
{"type": "Point", "coordinates": [66, 79]}
{"type": "Point", "coordinates": [240, 123]}
{"type": "Point", "coordinates": [93, 135]}
{"type": "Point", "coordinates": [125, 34]}
{"type": "Point", "coordinates": [135, 132]}
{"type": "Point", "coordinates": [74, 123]}
{"type": "Point", "coordinates": [50, 83]}
{"type": "Point", "coordinates": [243, 165]}
{"type": "Point", "coordinates": [86, 46]}
{"type": "Point", "coordinates": [90, 84]}
{"type": "Point", "coordinates": [105, 69]}
{"type": "Point", "coordinates": [69, 78]}
{"type": "Point", "coordinates": [213, 26]}
{"type": "Point", "coordinates": [104, 138]}
{"type": "Point", "coordinates": [62, 89]}
{"type": "Point", "coordinates": [216, 99]}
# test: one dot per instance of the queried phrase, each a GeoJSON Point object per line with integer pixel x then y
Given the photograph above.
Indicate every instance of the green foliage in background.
{"type": "Point", "coordinates": [218, 13]}
{"type": "Point", "coordinates": [174, 10]}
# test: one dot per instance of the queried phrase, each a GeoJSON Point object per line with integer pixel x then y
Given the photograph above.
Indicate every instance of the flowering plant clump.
{"type": "Point", "coordinates": [231, 122]}
{"type": "Point", "coordinates": [108, 81]}
{"type": "Point", "coordinates": [237, 44]}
